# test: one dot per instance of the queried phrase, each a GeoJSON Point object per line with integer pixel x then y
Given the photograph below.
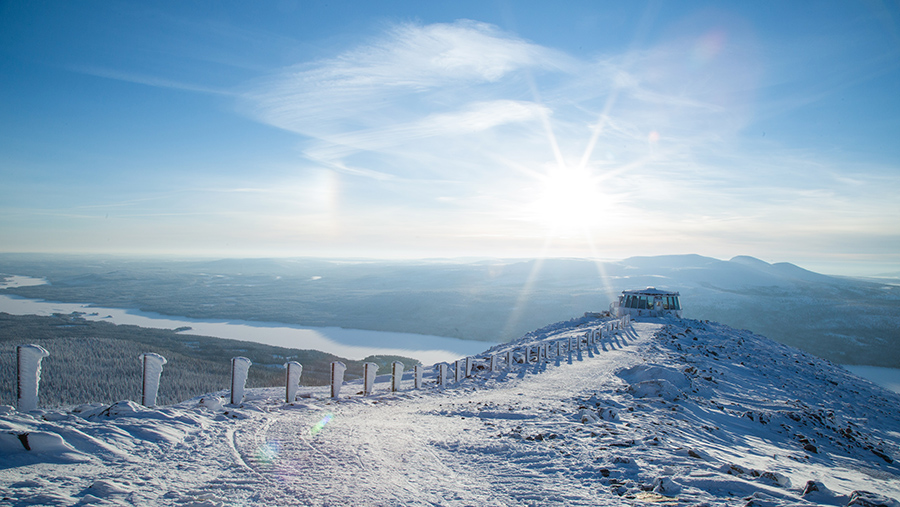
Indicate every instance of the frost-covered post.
{"type": "Point", "coordinates": [370, 370]}
{"type": "Point", "coordinates": [396, 375]}
{"type": "Point", "coordinates": [337, 377]}
{"type": "Point", "coordinates": [469, 361]}
{"type": "Point", "coordinates": [442, 373]}
{"type": "Point", "coordinates": [152, 367]}
{"type": "Point", "coordinates": [240, 368]}
{"type": "Point", "coordinates": [417, 375]}
{"type": "Point", "coordinates": [509, 358]}
{"type": "Point", "coordinates": [458, 370]}
{"type": "Point", "coordinates": [558, 348]}
{"type": "Point", "coordinates": [493, 362]}
{"type": "Point", "coordinates": [292, 380]}
{"type": "Point", "coordinates": [28, 374]}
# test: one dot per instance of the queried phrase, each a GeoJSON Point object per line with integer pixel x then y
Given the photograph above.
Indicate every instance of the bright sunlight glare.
{"type": "Point", "coordinates": [569, 201]}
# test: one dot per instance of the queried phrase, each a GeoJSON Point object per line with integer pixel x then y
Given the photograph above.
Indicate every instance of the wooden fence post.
{"type": "Point", "coordinates": [370, 370]}
{"type": "Point", "coordinates": [240, 368]}
{"type": "Point", "coordinates": [396, 375]}
{"type": "Point", "coordinates": [442, 373]}
{"type": "Point", "coordinates": [28, 375]}
{"type": "Point", "coordinates": [292, 380]}
{"type": "Point", "coordinates": [151, 366]}
{"type": "Point", "coordinates": [337, 377]}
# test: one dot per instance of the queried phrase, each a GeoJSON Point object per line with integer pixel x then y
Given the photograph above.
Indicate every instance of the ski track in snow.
{"type": "Point", "coordinates": [668, 412]}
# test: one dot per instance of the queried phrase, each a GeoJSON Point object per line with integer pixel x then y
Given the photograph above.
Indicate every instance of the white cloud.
{"type": "Point", "coordinates": [411, 67]}
{"type": "Point", "coordinates": [147, 80]}
{"type": "Point", "coordinates": [463, 125]}
{"type": "Point", "coordinates": [473, 118]}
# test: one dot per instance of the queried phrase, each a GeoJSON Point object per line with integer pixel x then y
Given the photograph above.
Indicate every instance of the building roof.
{"type": "Point", "coordinates": [650, 291]}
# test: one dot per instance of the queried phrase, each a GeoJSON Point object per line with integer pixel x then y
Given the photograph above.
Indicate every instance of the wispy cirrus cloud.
{"type": "Point", "coordinates": [148, 80]}
{"type": "Point", "coordinates": [472, 118]}
{"type": "Point", "coordinates": [414, 82]}
{"type": "Point", "coordinates": [496, 120]}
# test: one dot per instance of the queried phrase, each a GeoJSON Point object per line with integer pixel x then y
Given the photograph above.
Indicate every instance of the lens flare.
{"type": "Point", "coordinates": [268, 452]}
{"type": "Point", "coordinates": [321, 424]}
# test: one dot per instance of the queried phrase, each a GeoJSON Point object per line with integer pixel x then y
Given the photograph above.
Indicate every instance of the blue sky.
{"type": "Point", "coordinates": [415, 129]}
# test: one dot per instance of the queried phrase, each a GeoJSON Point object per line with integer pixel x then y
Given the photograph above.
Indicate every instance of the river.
{"type": "Point", "coordinates": [349, 343]}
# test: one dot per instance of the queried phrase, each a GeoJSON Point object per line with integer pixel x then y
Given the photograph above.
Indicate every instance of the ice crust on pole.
{"type": "Point", "coordinates": [153, 367]}
{"type": "Point", "coordinates": [396, 375]}
{"type": "Point", "coordinates": [370, 370]}
{"type": "Point", "coordinates": [28, 366]}
{"type": "Point", "coordinates": [240, 367]}
{"type": "Point", "coordinates": [337, 377]}
{"type": "Point", "coordinates": [292, 380]}
{"type": "Point", "coordinates": [442, 373]}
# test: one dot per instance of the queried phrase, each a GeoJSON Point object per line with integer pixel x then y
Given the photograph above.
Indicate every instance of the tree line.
{"type": "Point", "coordinates": [100, 362]}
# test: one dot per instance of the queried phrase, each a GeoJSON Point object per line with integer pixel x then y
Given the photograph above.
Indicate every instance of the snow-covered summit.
{"type": "Point", "coordinates": [667, 411]}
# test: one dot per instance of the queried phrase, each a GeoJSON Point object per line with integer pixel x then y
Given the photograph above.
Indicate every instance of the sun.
{"type": "Point", "coordinates": [568, 201]}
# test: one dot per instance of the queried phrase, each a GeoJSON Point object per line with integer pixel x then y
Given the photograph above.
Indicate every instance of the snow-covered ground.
{"type": "Point", "coordinates": [672, 412]}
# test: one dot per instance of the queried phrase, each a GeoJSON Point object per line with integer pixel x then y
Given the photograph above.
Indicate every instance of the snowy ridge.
{"type": "Point", "coordinates": [670, 411]}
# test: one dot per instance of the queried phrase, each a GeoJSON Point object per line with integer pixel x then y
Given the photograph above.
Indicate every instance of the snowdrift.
{"type": "Point", "coordinates": [672, 412]}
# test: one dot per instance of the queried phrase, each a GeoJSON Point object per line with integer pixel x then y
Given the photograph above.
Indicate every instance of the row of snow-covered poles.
{"type": "Point", "coordinates": [28, 366]}
{"type": "Point", "coordinates": [28, 376]}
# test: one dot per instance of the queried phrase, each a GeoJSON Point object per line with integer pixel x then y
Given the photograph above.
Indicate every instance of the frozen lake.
{"type": "Point", "coordinates": [349, 343]}
{"type": "Point", "coordinates": [888, 378]}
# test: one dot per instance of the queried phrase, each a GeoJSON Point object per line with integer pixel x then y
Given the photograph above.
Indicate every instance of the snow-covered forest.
{"type": "Point", "coordinates": [847, 320]}
{"type": "Point", "coordinates": [99, 362]}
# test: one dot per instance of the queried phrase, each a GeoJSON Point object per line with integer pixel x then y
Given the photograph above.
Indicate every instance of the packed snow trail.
{"type": "Point", "coordinates": [669, 412]}
{"type": "Point", "coordinates": [491, 440]}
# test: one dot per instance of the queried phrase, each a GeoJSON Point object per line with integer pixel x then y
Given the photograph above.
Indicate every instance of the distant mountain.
{"type": "Point", "coordinates": [847, 320]}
